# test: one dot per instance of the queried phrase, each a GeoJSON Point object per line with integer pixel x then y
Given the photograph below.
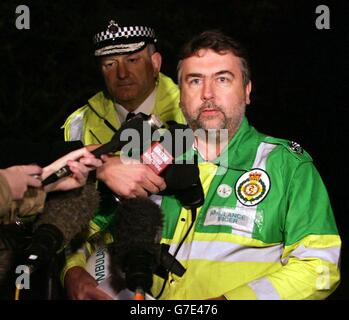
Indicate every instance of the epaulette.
{"type": "Point", "coordinates": [292, 147]}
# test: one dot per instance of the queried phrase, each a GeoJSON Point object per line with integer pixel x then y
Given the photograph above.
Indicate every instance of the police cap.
{"type": "Point", "coordinates": [123, 34]}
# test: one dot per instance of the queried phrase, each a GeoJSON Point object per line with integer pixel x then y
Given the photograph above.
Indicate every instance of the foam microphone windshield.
{"type": "Point", "coordinates": [137, 235]}
{"type": "Point", "coordinates": [65, 215]}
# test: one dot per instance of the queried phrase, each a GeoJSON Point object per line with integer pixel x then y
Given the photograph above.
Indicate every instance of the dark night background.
{"type": "Point", "coordinates": [298, 72]}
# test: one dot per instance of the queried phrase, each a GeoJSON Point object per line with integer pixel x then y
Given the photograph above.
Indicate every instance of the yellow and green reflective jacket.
{"type": "Point", "coordinates": [88, 124]}
{"type": "Point", "coordinates": [265, 231]}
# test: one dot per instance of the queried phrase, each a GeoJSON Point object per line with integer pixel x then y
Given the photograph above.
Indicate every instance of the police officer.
{"type": "Point", "coordinates": [126, 50]}
{"type": "Point", "coordinates": [130, 64]}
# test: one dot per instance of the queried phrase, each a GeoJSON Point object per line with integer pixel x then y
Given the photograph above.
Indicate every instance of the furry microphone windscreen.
{"type": "Point", "coordinates": [70, 211]}
{"type": "Point", "coordinates": [138, 223]}
{"type": "Point", "coordinates": [136, 251]}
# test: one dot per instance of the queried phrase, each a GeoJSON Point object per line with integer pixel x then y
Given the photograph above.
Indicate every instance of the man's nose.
{"type": "Point", "coordinates": [207, 91]}
{"type": "Point", "coordinates": [122, 71]}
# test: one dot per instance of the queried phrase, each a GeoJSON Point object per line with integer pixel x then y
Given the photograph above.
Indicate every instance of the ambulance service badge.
{"type": "Point", "coordinates": [252, 187]}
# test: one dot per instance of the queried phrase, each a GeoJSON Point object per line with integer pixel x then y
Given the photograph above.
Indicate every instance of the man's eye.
{"type": "Point", "coordinates": [222, 79]}
{"type": "Point", "coordinates": [110, 64]}
{"type": "Point", "coordinates": [195, 81]}
{"type": "Point", "coordinates": [132, 60]}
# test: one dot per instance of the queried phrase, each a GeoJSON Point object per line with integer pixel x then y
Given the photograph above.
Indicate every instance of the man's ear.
{"type": "Point", "coordinates": [248, 92]}
{"type": "Point", "coordinates": [156, 60]}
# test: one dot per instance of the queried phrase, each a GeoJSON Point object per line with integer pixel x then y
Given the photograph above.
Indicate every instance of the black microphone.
{"type": "Point", "coordinates": [137, 234]}
{"type": "Point", "coordinates": [166, 144]}
{"type": "Point", "coordinates": [6, 261]}
{"type": "Point", "coordinates": [65, 215]}
{"type": "Point", "coordinates": [183, 181]}
{"type": "Point", "coordinates": [138, 123]}
{"type": "Point", "coordinates": [13, 239]}
{"type": "Point", "coordinates": [168, 263]}
{"type": "Point", "coordinates": [182, 177]}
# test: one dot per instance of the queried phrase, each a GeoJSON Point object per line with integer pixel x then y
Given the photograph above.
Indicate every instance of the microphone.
{"type": "Point", "coordinates": [65, 215]}
{"type": "Point", "coordinates": [139, 123]}
{"type": "Point", "coordinates": [136, 250]}
{"type": "Point", "coordinates": [167, 145]}
{"type": "Point", "coordinates": [182, 178]}
{"type": "Point", "coordinates": [6, 261]}
{"type": "Point", "coordinates": [13, 238]}
{"type": "Point", "coordinates": [168, 263]}
{"type": "Point", "coordinates": [183, 181]}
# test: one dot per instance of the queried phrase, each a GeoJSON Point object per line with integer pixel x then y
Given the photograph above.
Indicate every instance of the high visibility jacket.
{"type": "Point", "coordinates": [88, 122]}
{"type": "Point", "coordinates": [265, 231]}
{"type": "Point", "coordinates": [88, 125]}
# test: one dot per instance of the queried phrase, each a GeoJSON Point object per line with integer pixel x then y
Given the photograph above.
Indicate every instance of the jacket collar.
{"type": "Point", "coordinates": [104, 106]}
{"type": "Point", "coordinates": [240, 152]}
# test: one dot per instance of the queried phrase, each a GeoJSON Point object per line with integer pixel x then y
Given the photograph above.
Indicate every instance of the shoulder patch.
{"type": "Point", "coordinates": [293, 147]}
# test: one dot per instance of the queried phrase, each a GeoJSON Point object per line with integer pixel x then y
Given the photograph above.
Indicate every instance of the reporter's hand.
{"type": "Point", "coordinates": [20, 178]}
{"type": "Point", "coordinates": [129, 179]}
{"type": "Point", "coordinates": [92, 147]}
{"type": "Point", "coordinates": [80, 163]}
{"type": "Point", "coordinates": [80, 285]}
{"type": "Point", "coordinates": [78, 154]}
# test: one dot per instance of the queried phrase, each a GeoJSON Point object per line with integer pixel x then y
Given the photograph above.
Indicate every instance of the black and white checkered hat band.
{"type": "Point", "coordinates": [119, 49]}
{"type": "Point", "coordinates": [125, 32]}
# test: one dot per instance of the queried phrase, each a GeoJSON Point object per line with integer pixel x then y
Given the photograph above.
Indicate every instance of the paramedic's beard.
{"type": "Point", "coordinates": [211, 116]}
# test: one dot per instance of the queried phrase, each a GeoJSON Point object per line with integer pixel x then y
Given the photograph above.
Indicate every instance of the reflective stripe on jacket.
{"type": "Point", "coordinates": [87, 123]}
{"type": "Point", "coordinates": [277, 243]}
{"type": "Point", "coordinates": [271, 236]}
